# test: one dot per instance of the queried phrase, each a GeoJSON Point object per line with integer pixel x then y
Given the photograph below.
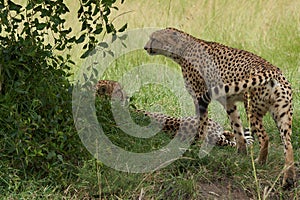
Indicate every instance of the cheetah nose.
{"type": "Point", "coordinates": [148, 49]}
{"type": "Point", "coordinates": [147, 46]}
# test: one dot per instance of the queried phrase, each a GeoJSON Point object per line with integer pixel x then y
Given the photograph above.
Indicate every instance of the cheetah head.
{"type": "Point", "coordinates": [111, 90]}
{"type": "Point", "coordinates": [105, 87]}
{"type": "Point", "coordinates": [169, 42]}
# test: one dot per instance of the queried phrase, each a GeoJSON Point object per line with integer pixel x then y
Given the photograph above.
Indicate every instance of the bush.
{"type": "Point", "coordinates": [37, 133]}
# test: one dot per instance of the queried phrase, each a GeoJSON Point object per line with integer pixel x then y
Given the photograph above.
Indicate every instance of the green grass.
{"type": "Point", "coordinates": [268, 28]}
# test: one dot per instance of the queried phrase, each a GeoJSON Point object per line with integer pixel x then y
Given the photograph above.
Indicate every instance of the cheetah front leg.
{"type": "Point", "coordinates": [237, 127]}
{"type": "Point", "coordinates": [255, 111]}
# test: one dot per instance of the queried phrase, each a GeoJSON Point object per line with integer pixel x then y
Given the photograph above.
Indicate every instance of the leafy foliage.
{"type": "Point", "coordinates": [37, 132]}
{"type": "Point", "coordinates": [93, 15]}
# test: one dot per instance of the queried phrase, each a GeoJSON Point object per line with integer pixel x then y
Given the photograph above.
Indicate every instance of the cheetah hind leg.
{"type": "Point", "coordinates": [283, 117]}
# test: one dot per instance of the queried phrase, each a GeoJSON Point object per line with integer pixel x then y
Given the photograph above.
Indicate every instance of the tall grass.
{"type": "Point", "coordinates": [268, 28]}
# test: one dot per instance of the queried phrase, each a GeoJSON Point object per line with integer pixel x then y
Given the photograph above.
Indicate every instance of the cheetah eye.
{"type": "Point", "coordinates": [154, 40]}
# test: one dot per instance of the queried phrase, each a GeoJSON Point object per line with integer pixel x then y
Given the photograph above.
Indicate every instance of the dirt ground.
{"type": "Point", "coordinates": [222, 190]}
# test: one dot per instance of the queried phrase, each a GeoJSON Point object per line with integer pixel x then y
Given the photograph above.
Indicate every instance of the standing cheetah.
{"type": "Point", "coordinates": [216, 135]}
{"type": "Point", "coordinates": [229, 75]}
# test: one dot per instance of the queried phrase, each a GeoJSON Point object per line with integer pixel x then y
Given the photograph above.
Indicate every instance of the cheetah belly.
{"type": "Point", "coordinates": [232, 99]}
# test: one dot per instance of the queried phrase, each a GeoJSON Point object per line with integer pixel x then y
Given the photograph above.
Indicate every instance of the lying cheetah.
{"type": "Point", "coordinates": [229, 75]}
{"type": "Point", "coordinates": [216, 135]}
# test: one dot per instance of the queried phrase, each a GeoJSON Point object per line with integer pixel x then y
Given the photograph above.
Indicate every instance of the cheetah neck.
{"type": "Point", "coordinates": [181, 54]}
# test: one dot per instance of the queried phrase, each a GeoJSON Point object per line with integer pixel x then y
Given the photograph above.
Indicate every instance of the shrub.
{"type": "Point", "coordinates": [37, 133]}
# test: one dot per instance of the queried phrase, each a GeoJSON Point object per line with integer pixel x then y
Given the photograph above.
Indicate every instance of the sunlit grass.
{"type": "Point", "coordinates": [268, 28]}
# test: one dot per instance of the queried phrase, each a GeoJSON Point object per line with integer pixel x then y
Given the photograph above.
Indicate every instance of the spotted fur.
{"type": "Point", "coordinates": [216, 135]}
{"type": "Point", "coordinates": [215, 71]}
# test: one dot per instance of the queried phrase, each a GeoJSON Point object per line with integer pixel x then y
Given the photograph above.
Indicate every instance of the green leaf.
{"type": "Point", "coordinates": [45, 13]}
{"type": "Point", "coordinates": [92, 39]}
{"type": "Point", "coordinates": [80, 39]}
{"type": "Point", "coordinates": [38, 8]}
{"type": "Point", "coordinates": [103, 44]}
{"type": "Point", "coordinates": [110, 28]}
{"type": "Point", "coordinates": [85, 77]}
{"type": "Point", "coordinates": [48, 46]}
{"type": "Point", "coordinates": [99, 29]}
{"type": "Point", "coordinates": [13, 6]}
{"type": "Point", "coordinates": [84, 25]}
{"type": "Point", "coordinates": [80, 11]}
{"type": "Point", "coordinates": [72, 62]}
{"type": "Point", "coordinates": [113, 38]}
{"type": "Point", "coordinates": [95, 72]}
{"type": "Point", "coordinates": [96, 11]}
{"type": "Point", "coordinates": [41, 26]}
{"type": "Point", "coordinates": [86, 53]}
{"type": "Point", "coordinates": [111, 53]}
{"type": "Point", "coordinates": [72, 39]}
{"type": "Point", "coordinates": [123, 37]}
{"type": "Point", "coordinates": [123, 28]}
{"type": "Point", "coordinates": [29, 6]}
{"type": "Point", "coordinates": [85, 46]}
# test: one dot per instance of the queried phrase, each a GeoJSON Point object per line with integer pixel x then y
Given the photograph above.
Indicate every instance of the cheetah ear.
{"type": "Point", "coordinates": [174, 31]}
{"type": "Point", "coordinates": [169, 28]}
